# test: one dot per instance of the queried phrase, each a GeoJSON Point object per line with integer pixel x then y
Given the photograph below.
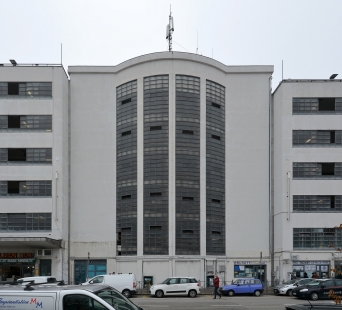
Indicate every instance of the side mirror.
{"type": "Point", "coordinates": [91, 282]}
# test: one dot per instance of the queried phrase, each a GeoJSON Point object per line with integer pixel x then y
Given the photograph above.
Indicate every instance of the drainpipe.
{"type": "Point", "coordinates": [69, 185]}
{"type": "Point", "coordinates": [270, 207]}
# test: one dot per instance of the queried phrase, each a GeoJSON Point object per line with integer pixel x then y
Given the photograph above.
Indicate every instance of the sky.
{"type": "Point", "coordinates": [305, 34]}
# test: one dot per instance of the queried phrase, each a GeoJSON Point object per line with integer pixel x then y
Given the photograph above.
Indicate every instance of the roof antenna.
{"type": "Point", "coordinates": [169, 30]}
{"type": "Point", "coordinates": [197, 43]}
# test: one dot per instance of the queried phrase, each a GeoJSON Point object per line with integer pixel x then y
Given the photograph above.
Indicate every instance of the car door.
{"type": "Point", "coordinates": [183, 286]}
{"type": "Point", "coordinates": [243, 287]}
{"type": "Point", "coordinates": [325, 288]}
{"type": "Point", "coordinates": [172, 287]}
{"type": "Point", "coordinates": [255, 284]}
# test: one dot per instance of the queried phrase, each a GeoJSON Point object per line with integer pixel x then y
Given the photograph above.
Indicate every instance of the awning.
{"type": "Point", "coordinates": [34, 242]}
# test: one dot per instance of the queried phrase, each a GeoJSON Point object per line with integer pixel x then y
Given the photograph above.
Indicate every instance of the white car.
{"type": "Point", "coordinates": [287, 288]}
{"type": "Point", "coordinates": [187, 286]}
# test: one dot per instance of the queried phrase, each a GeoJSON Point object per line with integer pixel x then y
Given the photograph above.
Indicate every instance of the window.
{"type": "Point", "coordinates": [10, 123]}
{"type": "Point", "coordinates": [156, 165]}
{"type": "Point", "coordinates": [187, 231]}
{"type": "Point", "coordinates": [15, 156]}
{"type": "Point", "coordinates": [317, 170]}
{"type": "Point", "coordinates": [126, 197]}
{"type": "Point", "coordinates": [187, 132]}
{"type": "Point", "coordinates": [188, 198]}
{"type": "Point", "coordinates": [155, 194]}
{"type": "Point", "coordinates": [26, 90]}
{"type": "Point", "coordinates": [316, 238]}
{"type": "Point", "coordinates": [215, 105]}
{"type": "Point", "coordinates": [215, 168]}
{"type": "Point", "coordinates": [317, 105]}
{"type": "Point", "coordinates": [25, 188]}
{"type": "Point", "coordinates": [25, 222]}
{"type": "Point", "coordinates": [126, 133]}
{"type": "Point", "coordinates": [126, 101]}
{"type": "Point", "coordinates": [184, 280]}
{"type": "Point", "coordinates": [78, 301]}
{"type": "Point", "coordinates": [317, 138]}
{"type": "Point", "coordinates": [317, 203]}
{"type": "Point", "coordinates": [156, 127]}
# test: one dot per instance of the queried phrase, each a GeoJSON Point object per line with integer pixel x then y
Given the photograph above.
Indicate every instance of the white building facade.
{"type": "Point", "coordinates": [33, 171]}
{"type": "Point", "coordinates": [169, 168]}
{"type": "Point", "coordinates": [307, 178]}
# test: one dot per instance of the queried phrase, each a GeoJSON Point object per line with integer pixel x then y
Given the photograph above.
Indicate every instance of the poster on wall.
{"type": "Point", "coordinates": [310, 268]}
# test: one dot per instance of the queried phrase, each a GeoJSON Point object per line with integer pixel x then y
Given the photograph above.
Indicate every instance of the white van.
{"type": "Point", "coordinates": [68, 297]}
{"type": "Point", "coordinates": [40, 279]}
{"type": "Point", "coordinates": [124, 283]}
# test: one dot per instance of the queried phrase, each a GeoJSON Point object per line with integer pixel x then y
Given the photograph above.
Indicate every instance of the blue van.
{"type": "Point", "coordinates": [243, 286]}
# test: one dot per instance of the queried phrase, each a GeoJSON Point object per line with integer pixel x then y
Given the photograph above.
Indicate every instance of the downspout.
{"type": "Point", "coordinates": [69, 185]}
{"type": "Point", "coordinates": [271, 209]}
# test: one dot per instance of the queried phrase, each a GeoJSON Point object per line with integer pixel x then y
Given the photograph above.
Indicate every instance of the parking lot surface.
{"type": "Point", "coordinates": [268, 302]}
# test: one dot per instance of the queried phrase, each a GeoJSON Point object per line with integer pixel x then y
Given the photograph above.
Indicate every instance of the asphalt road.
{"type": "Point", "coordinates": [264, 302]}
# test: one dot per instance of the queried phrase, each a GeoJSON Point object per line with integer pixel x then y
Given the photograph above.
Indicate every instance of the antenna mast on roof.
{"type": "Point", "coordinates": [169, 30]}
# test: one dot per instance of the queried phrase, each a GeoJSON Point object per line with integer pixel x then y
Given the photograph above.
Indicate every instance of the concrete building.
{"type": "Point", "coordinates": [307, 178]}
{"type": "Point", "coordinates": [33, 170]}
{"type": "Point", "coordinates": [170, 168]}
{"type": "Point", "coordinates": [168, 164]}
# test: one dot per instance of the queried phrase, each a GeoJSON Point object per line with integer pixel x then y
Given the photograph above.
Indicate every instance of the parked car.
{"type": "Point", "coordinates": [243, 286]}
{"type": "Point", "coordinates": [187, 286]}
{"type": "Point", "coordinates": [287, 287]}
{"type": "Point", "coordinates": [319, 289]}
{"type": "Point", "coordinates": [124, 283]}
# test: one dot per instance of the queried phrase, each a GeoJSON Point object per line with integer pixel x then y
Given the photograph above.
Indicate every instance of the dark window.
{"type": "Point", "coordinates": [126, 197]}
{"type": "Point", "coordinates": [13, 89]}
{"type": "Point", "coordinates": [215, 232]}
{"type": "Point", "coordinates": [126, 133]}
{"type": "Point", "coordinates": [126, 100]}
{"type": "Point", "coordinates": [155, 194]}
{"type": "Point", "coordinates": [126, 228]}
{"type": "Point", "coordinates": [187, 231]}
{"type": "Point", "coordinates": [16, 154]}
{"type": "Point", "coordinates": [216, 200]}
{"type": "Point", "coordinates": [187, 132]}
{"type": "Point", "coordinates": [326, 104]}
{"type": "Point", "coordinates": [13, 121]}
{"type": "Point", "coordinates": [332, 136]}
{"type": "Point", "coordinates": [328, 168]}
{"type": "Point", "coordinates": [156, 127]}
{"type": "Point", "coordinates": [13, 187]}
{"type": "Point", "coordinates": [155, 227]}
{"type": "Point", "coordinates": [216, 105]}
{"type": "Point", "coordinates": [216, 137]}
{"type": "Point", "coordinates": [187, 198]}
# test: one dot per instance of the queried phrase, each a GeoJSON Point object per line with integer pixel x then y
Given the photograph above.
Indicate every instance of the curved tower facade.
{"type": "Point", "coordinates": [169, 166]}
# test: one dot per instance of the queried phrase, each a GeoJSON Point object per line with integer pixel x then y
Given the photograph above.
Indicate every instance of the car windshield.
{"type": "Point", "coordinates": [289, 282]}
{"type": "Point", "coordinates": [116, 300]}
{"type": "Point", "coordinates": [166, 281]}
{"type": "Point", "coordinates": [314, 283]}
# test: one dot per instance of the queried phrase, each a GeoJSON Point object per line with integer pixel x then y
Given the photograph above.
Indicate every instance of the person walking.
{"type": "Point", "coordinates": [216, 286]}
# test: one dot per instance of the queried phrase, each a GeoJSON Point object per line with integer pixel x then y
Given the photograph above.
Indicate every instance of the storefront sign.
{"type": "Point", "coordinates": [16, 255]}
{"type": "Point", "coordinates": [304, 262]}
{"type": "Point", "coordinates": [249, 263]}
{"type": "Point", "coordinates": [19, 260]}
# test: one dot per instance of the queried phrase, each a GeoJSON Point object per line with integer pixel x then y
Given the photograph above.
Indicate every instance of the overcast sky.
{"type": "Point", "coordinates": [305, 34]}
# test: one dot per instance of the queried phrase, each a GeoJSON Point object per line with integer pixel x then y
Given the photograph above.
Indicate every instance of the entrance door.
{"type": "Point", "coordinates": [259, 273]}
{"type": "Point", "coordinates": [45, 267]}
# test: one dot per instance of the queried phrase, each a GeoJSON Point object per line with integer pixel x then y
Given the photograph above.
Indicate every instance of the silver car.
{"type": "Point", "coordinates": [287, 287]}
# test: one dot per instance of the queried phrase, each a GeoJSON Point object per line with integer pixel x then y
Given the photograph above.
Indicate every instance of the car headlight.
{"type": "Point", "coordinates": [304, 290]}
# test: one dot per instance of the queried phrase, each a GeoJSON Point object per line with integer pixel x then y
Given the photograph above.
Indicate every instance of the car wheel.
{"type": "Point", "coordinates": [314, 296]}
{"type": "Point", "coordinates": [159, 293]}
{"type": "Point", "coordinates": [289, 293]}
{"type": "Point", "coordinates": [257, 293]}
{"type": "Point", "coordinates": [127, 293]}
{"type": "Point", "coordinates": [192, 293]}
{"type": "Point", "coordinates": [231, 293]}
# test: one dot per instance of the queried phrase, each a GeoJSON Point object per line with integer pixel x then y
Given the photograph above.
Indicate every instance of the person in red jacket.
{"type": "Point", "coordinates": [216, 286]}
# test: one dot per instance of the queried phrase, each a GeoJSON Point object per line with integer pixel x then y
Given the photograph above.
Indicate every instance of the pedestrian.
{"type": "Point", "coordinates": [305, 275]}
{"type": "Point", "coordinates": [216, 286]}
{"type": "Point", "coordinates": [314, 275]}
